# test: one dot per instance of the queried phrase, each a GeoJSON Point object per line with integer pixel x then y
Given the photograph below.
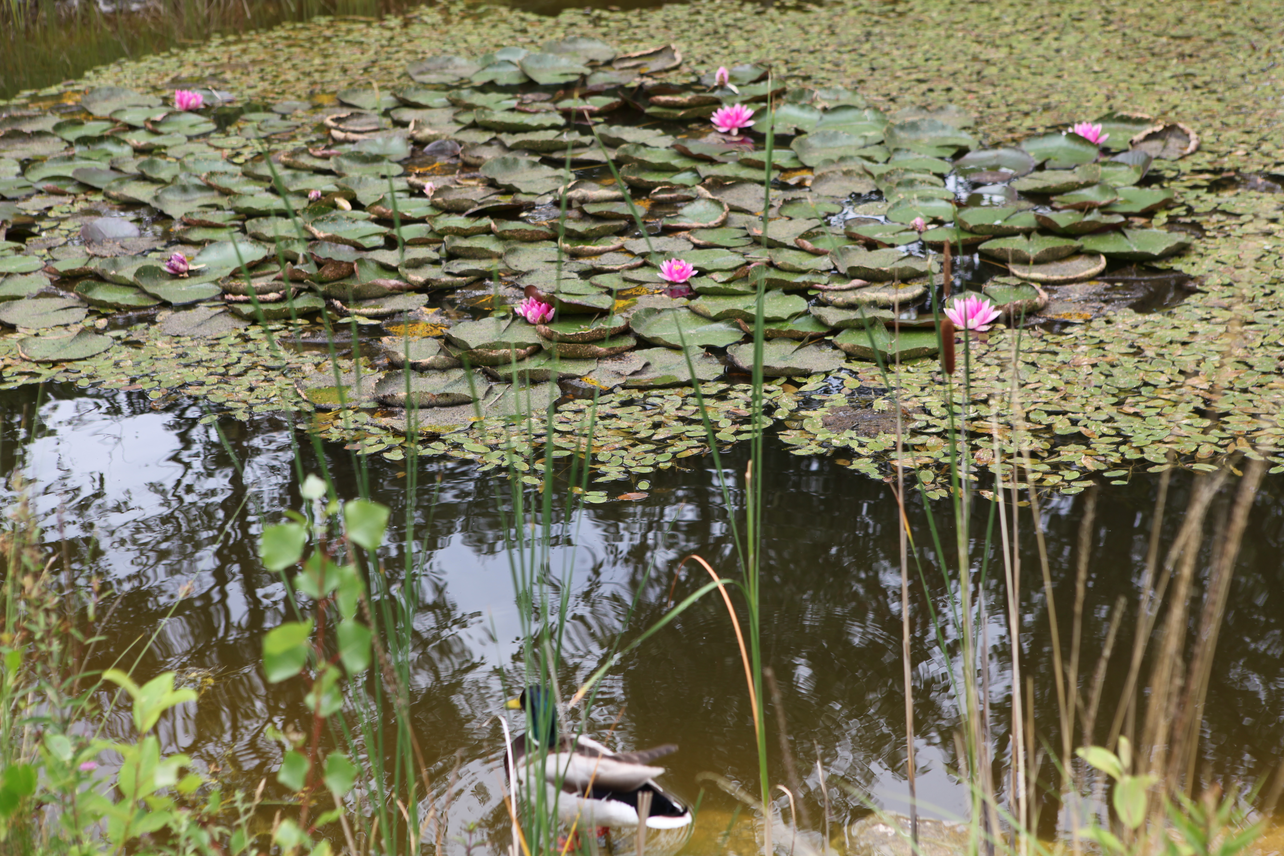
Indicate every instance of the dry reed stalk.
{"type": "Point", "coordinates": [786, 752]}
{"type": "Point", "coordinates": [1189, 715]}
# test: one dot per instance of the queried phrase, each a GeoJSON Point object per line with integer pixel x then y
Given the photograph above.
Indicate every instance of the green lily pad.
{"type": "Point", "coordinates": [231, 255]}
{"type": "Point", "coordinates": [916, 133]}
{"type": "Point", "coordinates": [17, 286]}
{"type": "Point", "coordinates": [550, 69]}
{"type": "Point", "coordinates": [1054, 181]}
{"type": "Point", "coordinates": [776, 306]}
{"type": "Point", "coordinates": [521, 175]}
{"type": "Point", "coordinates": [895, 293]}
{"type": "Point", "coordinates": [162, 285]}
{"type": "Point", "coordinates": [1073, 222]}
{"type": "Point", "coordinates": [1095, 196]}
{"type": "Point", "coordinates": [300, 304]}
{"type": "Point", "coordinates": [701, 214]}
{"type": "Point", "coordinates": [663, 367]}
{"type": "Point", "coordinates": [1014, 298]}
{"type": "Point", "coordinates": [821, 147]}
{"type": "Point", "coordinates": [511, 121]}
{"type": "Point", "coordinates": [840, 318]}
{"type": "Point", "coordinates": [1060, 151]}
{"type": "Point", "coordinates": [37, 313]}
{"type": "Point", "coordinates": [1030, 249]}
{"type": "Point", "coordinates": [879, 265]}
{"type": "Point", "coordinates": [882, 234]}
{"type": "Point", "coordinates": [19, 264]}
{"type": "Point", "coordinates": [60, 349]}
{"type": "Point", "coordinates": [1074, 268]}
{"type": "Point", "coordinates": [672, 328]}
{"type": "Point", "coordinates": [878, 342]}
{"type": "Point", "coordinates": [443, 69]}
{"type": "Point", "coordinates": [1136, 245]}
{"type": "Point", "coordinates": [993, 166]}
{"type": "Point", "coordinates": [109, 295]}
{"type": "Point", "coordinates": [784, 358]}
{"type": "Point", "coordinates": [105, 100]}
{"type": "Point", "coordinates": [444, 388]}
{"type": "Point", "coordinates": [578, 330]}
{"type": "Point", "coordinates": [1141, 200]}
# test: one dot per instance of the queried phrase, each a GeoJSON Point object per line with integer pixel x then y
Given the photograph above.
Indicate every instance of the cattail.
{"type": "Point", "coordinates": [947, 344]}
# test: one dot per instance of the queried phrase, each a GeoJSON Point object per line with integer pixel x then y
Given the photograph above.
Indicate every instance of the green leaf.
{"type": "Point", "coordinates": [1102, 759]}
{"type": "Point", "coordinates": [294, 770]}
{"type": "Point", "coordinates": [365, 522]}
{"type": "Point", "coordinates": [285, 650]}
{"type": "Point", "coordinates": [155, 697]}
{"type": "Point", "coordinates": [281, 546]}
{"type": "Point", "coordinates": [1129, 799]}
{"type": "Point", "coordinates": [354, 646]}
{"type": "Point", "coordinates": [340, 774]}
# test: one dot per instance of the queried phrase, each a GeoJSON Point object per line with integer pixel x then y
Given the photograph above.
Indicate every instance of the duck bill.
{"type": "Point", "coordinates": [514, 703]}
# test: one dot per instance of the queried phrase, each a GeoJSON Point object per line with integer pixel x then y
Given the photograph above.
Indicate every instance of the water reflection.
{"type": "Point", "coordinates": [166, 510]}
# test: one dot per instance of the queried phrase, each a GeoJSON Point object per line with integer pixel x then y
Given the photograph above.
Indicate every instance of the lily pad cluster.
{"type": "Point", "coordinates": [427, 211]}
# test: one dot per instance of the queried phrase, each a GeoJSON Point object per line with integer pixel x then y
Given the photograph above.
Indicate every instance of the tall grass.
{"type": "Point", "coordinates": [43, 42]}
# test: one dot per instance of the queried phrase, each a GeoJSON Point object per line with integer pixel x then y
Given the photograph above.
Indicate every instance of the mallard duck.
{"type": "Point", "coordinates": [598, 786]}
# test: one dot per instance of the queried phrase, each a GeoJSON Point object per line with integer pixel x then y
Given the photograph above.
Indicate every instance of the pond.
{"type": "Point", "coordinates": [161, 445]}
{"type": "Point", "coordinates": [166, 511]}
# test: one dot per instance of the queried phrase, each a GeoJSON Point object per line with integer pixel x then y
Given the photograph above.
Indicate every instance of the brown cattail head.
{"type": "Point", "coordinates": [947, 345]}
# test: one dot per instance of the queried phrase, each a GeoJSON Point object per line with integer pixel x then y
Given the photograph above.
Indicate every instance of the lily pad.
{"type": "Point", "coordinates": [1030, 249]}
{"type": "Point", "coordinates": [662, 367]}
{"type": "Point", "coordinates": [776, 306]}
{"type": "Point", "coordinates": [1136, 245]}
{"type": "Point", "coordinates": [784, 358]}
{"type": "Point", "coordinates": [445, 388]}
{"type": "Point", "coordinates": [59, 349]}
{"type": "Point", "coordinates": [551, 69]}
{"type": "Point", "coordinates": [109, 295]}
{"type": "Point", "coordinates": [879, 265]}
{"type": "Point", "coordinates": [37, 313]}
{"type": "Point", "coordinates": [1074, 268]}
{"type": "Point", "coordinates": [443, 69]}
{"type": "Point", "coordinates": [674, 328]}
{"type": "Point", "coordinates": [1060, 151]}
{"type": "Point", "coordinates": [877, 342]}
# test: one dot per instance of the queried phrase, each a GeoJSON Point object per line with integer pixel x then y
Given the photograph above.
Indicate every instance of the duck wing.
{"type": "Point", "coordinates": [589, 766]}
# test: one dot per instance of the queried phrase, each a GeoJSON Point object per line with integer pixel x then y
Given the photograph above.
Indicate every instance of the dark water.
{"type": "Point", "coordinates": [156, 505]}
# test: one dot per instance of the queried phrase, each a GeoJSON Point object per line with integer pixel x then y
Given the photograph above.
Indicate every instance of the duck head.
{"type": "Point", "coordinates": [541, 713]}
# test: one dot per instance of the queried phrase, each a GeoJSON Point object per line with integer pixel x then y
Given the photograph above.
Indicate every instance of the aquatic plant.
{"type": "Point", "coordinates": [972, 312]}
{"type": "Point", "coordinates": [919, 224]}
{"type": "Point", "coordinates": [535, 310]}
{"type": "Point", "coordinates": [187, 99]}
{"type": "Point", "coordinates": [1090, 132]}
{"type": "Point", "coordinates": [314, 194]}
{"type": "Point", "coordinates": [721, 77]}
{"type": "Point", "coordinates": [178, 264]}
{"type": "Point", "coordinates": [676, 271]}
{"type": "Point", "coordinates": [730, 120]}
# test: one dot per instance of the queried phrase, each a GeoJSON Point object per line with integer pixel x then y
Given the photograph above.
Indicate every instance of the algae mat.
{"type": "Point", "coordinates": [1119, 391]}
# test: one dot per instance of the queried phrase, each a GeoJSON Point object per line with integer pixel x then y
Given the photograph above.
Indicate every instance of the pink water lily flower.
{"type": "Point", "coordinates": [721, 77]}
{"type": "Point", "coordinates": [186, 99]}
{"type": "Point", "coordinates": [1090, 132]}
{"type": "Point", "coordinates": [919, 224]}
{"type": "Point", "coordinates": [314, 195]}
{"type": "Point", "coordinates": [972, 313]}
{"type": "Point", "coordinates": [88, 766]}
{"type": "Point", "coordinates": [535, 311]}
{"type": "Point", "coordinates": [729, 120]}
{"type": "Point", "coordinates": [429, 189]}
{"type": "Point", "coordinates": [676, 271]}
{"type": "Point", "coordinates": [178, 265]}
